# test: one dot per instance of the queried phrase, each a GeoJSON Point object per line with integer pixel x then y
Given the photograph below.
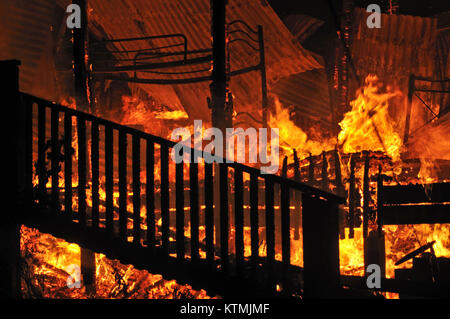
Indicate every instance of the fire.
{"type": "Point", "coordinates": [293, 137]}
{"type": "Point", "coordinates": [50, 262]}
{"type": "Point", "coordinates": [368, 126]}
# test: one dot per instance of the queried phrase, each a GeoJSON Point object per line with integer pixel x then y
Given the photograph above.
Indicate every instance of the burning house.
{"type": "Point", "coordinates": [104, 212]}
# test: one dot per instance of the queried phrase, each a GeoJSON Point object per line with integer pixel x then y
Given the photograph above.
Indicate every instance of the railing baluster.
{"type": "Point", "coordinates": [239, 219]}
{"type": "Point", "coordinates": [366, 195]}
{"type": "Point", "coordinates": [194, 203]}
{"type": "Point", "coordinates": [179, 190]}
{"type": "Point", "coordinates": [55, 159]}
{"type": "Point", "coordinates": [109, 175]}
{"type": "Point", "coordinates": [95, 173]}
{"type": "Point", "coordinates": [223, 171]}
{"type": "Point", "coordinates": [40, 166]}
{"type": "Point", "coordinates": [136, 189]}
{"type": "Point", "coordinates": [81, 130]}
{"type": "Point", "coordinates": [68, 151]}
{"type": "Point", "coordinates": [285, 226]}
{"type": "Point", "coordinates": [254, 219]}
{"type": "Point", "coordinates": [351, 199]}
{"type": "Point", "coordinates": [209, 214]}
{"type": "Point", "coordinates": [165, 198]}
{"type": "Point", "coordinates": [123, 196]}
{"type": "Point", "coordinates": [150, 194]}
{"type": "Point", "coordinates": [29, 147]}
{"type": "Point", "coordinates": [270, 231]}
{"type": "Point", "coordinates": [311, 170]}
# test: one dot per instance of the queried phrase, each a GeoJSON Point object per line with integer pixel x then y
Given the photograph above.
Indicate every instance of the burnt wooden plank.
{"type": "Point", "coordinates": [194, 206]}
{"type": "Point", "coordinates": [55, 164]}
{"type": "Point", "coordinates": [270, 231]}
{"type": "Point", "coordinates": [68, 151]}
{"type": "Point", "coordinates": [165, 199]}
{"type": "Point", "coordinates": [320, 247]}
{"type": "Point", "coordinates": [224, 223]}
{"type": "Point", "coordinates": [254, 225]}
{"type": "Point", "coordinates": [239, 219]}
{"type": "Point", "coordinates": [136, 167]}
{"type": "Point", "coordinates": [431, 193]}
{"type": "Point", "coordinates": [95, 173]}
{"type": "Point", "coordinates": [81, 131]}
{"type": "Point", "coordinates": [109, 180]}
{"type": "Point", "coordinates": [209, 214]}
{"type": "Point", "coordinates": [416, 214]}
{"type": "Point", "coordinates": [150, 193]}
{"type": "Point", "coordinates": [123, 195]}
{"type": "Point", "coordinates": [179, 204]}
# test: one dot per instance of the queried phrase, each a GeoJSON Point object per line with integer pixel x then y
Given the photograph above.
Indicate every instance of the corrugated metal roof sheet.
{"type": "Point", "coordinates": [403, 45]}
{"type": "Point", "coordinates": [302, 26]}
{"type": "Point", "coordinates": [26, 36]}
{"type": "Point", "coordinates": [308, 93]}
{"type": "Point", "coordinates": [138, 18]}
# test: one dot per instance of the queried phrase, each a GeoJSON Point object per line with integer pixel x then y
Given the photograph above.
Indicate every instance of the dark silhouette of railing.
{"type": "Point", "coordinates": [139, 239]}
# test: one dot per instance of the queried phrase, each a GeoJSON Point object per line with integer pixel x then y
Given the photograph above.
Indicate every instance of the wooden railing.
{"type": "Point", "coordinates": [48, 141]}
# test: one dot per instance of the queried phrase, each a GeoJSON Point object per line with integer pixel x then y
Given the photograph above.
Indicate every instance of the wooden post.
{"type": "Point", "coordinates": [88, 269]}
{"type": "Point", "coordinates": [79, 53]}
{"type": "Point", "coordinates": [320, 247]}
{"type": "Point", "coordinates": [9, 228]}
{"type": "Point", "coordinates": [221, 114]}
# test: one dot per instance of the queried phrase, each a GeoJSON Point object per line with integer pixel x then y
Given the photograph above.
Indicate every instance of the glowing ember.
{"type": "Point", "coordinates": [50, 262]}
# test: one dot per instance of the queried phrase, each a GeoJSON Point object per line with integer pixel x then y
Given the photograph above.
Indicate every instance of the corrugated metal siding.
{"type": "Point", "coordinates": [403, 45]}
{"type": "Point", "coordinates": [284, 56]}
{"type": "Point", "coordinates": [308, 93]}
{"type": "Point", "coordinates": [302, 26]}
{"type": "Point", "coordinates": [26, 35]}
